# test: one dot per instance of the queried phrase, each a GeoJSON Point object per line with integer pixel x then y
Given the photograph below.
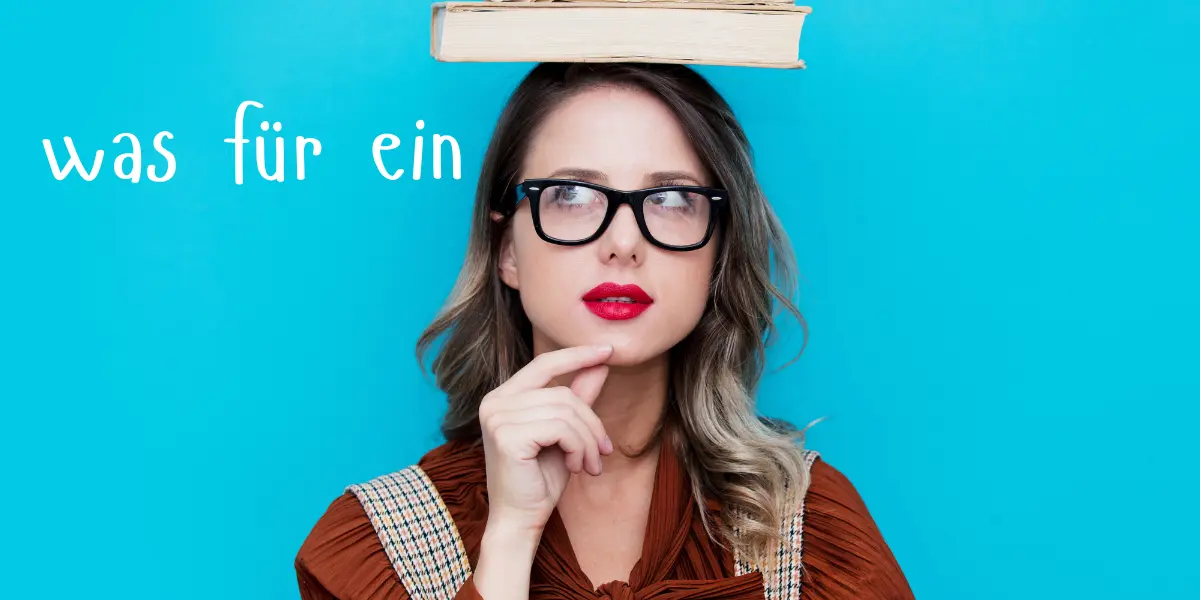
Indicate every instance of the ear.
{"type": "Point", "coordinates": [507, 265]}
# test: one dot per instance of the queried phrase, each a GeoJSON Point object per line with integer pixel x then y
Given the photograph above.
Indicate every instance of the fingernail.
{"type": "Point", "coordinates": [604, 348]}
{"type": "Point", "coordinates": [608, 447]}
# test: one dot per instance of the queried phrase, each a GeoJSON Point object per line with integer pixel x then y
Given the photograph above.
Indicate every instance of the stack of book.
{"type": "Point", "coordinates": [758, 33]}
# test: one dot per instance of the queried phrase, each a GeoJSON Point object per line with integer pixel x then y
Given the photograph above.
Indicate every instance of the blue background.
{"type": "Point", "coordinates": [994, 205]}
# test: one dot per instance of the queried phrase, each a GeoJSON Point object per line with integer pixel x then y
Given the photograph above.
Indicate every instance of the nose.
{"type": "Point", "coordinates": [622, 242]}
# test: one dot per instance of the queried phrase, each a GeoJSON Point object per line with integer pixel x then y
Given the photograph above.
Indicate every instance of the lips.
{"type": "Point", "coordinates": [616, 302]}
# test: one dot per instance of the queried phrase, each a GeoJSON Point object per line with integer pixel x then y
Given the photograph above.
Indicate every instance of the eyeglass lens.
{"type": "Point", "coordinates": [674, 217]}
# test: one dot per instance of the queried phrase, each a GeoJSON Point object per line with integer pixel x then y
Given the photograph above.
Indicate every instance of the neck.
{"type": "Point", "coordinates": [630, 405]}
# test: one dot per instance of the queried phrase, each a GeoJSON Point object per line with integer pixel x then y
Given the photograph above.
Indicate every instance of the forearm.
{"type": "Point", "coordinates": [505, 560]}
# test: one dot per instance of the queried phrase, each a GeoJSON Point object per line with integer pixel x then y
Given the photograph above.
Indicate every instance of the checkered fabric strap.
{"type": "Point", "coordinates": [781, 581]}
{"type": "Point", "coordinates": [417, 533]}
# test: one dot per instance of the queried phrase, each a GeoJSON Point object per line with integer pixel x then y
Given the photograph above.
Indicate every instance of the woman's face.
{"type": "Point", "coordinates": [629, 140]}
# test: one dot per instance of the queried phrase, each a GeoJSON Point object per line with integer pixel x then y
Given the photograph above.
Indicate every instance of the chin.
{"type": "Point", "coordinates": [629, 339]}
{"type": "Point", "coordinates": [631, 353]}
{"type": "Point", "coordinates": [626, 357]}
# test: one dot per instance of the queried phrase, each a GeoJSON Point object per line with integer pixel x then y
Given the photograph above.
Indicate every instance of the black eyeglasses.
{"type": "Point", "coordinates": [573, 213]}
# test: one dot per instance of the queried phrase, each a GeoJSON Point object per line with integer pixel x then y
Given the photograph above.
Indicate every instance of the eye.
{"type": "Point", "coordinates": [670, 199]}
{"type": "Point", "coordinates": [570, 194]}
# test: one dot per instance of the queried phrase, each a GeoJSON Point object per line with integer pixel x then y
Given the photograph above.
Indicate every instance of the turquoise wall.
{"type": "Point", "coordinates": [994, 205]}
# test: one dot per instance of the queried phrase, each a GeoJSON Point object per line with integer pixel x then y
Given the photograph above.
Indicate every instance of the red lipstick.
{"type": "Point", "coordinates": [616, 302]}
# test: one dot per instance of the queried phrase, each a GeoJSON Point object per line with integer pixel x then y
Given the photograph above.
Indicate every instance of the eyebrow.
{"type": "Point", "coordinates": [591, 175]}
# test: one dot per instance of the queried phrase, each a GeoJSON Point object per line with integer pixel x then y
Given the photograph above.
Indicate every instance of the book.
{"type": "Point", "coordinates": [739, 2]}
{"type": "Point", "coordinates": [672, 31]}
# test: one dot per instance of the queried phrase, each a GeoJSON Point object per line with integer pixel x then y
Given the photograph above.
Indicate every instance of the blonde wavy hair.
{"type": "Point", "coordinates": [751, 464]}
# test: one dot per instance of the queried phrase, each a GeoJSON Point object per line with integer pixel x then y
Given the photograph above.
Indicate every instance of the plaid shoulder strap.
{"type": "Point", "coordinates": [781, 581]}
{"type": "Point", "coordinates": [420, 538]}
{"type": "Point", "coordinates": [417, 532]}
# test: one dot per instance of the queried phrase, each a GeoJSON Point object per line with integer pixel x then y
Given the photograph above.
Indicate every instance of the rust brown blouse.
{"type": "Point", "coordinates": [844, 557]}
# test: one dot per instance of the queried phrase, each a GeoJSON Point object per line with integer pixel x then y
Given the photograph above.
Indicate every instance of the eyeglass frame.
{"type": "Point", "coordinates": [531, 189]}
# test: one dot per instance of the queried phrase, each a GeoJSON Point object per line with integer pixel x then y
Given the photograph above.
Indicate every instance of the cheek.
{"type": "Point", "coordinates": [686, 284]}
{"type": "Point", "coordinates": [548, 274]}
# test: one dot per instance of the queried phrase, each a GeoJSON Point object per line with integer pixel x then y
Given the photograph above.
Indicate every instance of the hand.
{"type": "Point", "coordinates": [535, 437]}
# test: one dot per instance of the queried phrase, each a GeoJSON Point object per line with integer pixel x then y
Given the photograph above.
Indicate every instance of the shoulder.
{"type": "Point", "coordinates": [343, 558]}
{"type": "Point", "coordinates": [844, 550]}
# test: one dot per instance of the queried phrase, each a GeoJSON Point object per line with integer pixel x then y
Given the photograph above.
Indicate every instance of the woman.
{"type": "Point", "coordinates": [621, 238]}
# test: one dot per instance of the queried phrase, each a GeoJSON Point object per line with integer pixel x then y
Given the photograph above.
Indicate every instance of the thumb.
{"type": "Point", "coordinates": [588, 382]}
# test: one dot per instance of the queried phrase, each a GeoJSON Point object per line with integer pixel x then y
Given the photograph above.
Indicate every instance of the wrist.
{"type": "Point", "coordinates": [514, 538]}
{"type": "Point", "coordinates": [506, 554]}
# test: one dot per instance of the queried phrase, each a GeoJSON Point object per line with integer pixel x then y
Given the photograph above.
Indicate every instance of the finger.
{"type": "Point", "coordinates": [588, 383]}
{"type": "Point", "coordinates": [568, 409]}
{"type": "Point", "coordinates": [592, 445]}
{"type": "Point", "coordinates": [531, 400]}
{"type": "Point", "coordinates": [584, 410]}
{"type": "Point", "coordinates": [525, 441]}
{"type": "Point", "coordinates": [559, 432]}
{"type": "Point", "coordinates": [546, 366]}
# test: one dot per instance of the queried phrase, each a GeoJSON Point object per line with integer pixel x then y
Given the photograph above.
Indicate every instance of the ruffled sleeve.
{"type": "Point", "coordinates": [342, 558]}
{"type": "Point", "coordinates": [845, 555]}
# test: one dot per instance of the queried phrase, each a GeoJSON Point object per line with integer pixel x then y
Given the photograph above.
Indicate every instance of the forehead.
{"type": "Point", "coordinates": [624, 133]}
